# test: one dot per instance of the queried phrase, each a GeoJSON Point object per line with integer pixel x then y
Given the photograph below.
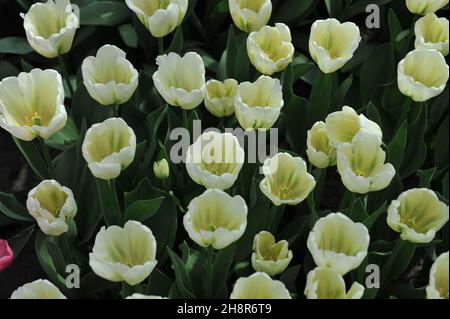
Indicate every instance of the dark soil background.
{"type": "Point", "coordinates": [15, 176]}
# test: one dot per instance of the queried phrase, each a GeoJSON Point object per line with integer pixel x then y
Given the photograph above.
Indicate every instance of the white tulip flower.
{"type": "Point", "coordinates": [38, 289]}
{"type": "Point", "coordinates": [362, 166]}
{"type": "Point", "coordinates": [286, 180]}
{"type": "Point", "coordinates": [181, 80]}
{"type": "Point", "coordinates": [50, 27]}
{"type": "Point", "coordinates": [258, 105]}
{"type": "Point", "coordinates": [109, 77]}
{"type": "Point", "coordinates": [109, 147]}
{"type": "Point", "coordinates": [422, 74]}
{"type": "Point", "coordinates": [250, 15]}
{"type": "Point", "coordinates": [438, 285]}
{"type": "Point", "coordinates": [332, 44]}
{"type": "Point", "coordinates": [219, 100]}
{"type": "Point", "coordinates": [160, 17]}
{"type": "Point", "coordinates": [417, 214]}
{"type": "Point", "coordinates": [326, 283]}
{"type": "Point", "coordinates": [423, 7]}
{"type": "Point", "coordinates": [32, 104]}
{"type": "Point", "coordinates": [432, 33]}
{"type": "Point", "coordinates": [161, 169]}
{"type": "Point", "coordinates": [338, 243]}
{"type": "Point", "coordinates": [215, 160]}
{"type": "Point", "coordinates": [259, 286]}
{"type": "Point", "coordinates": [124, 254]}
{"type": "Point", "coordinates": [216, 219]}
{"type": "Point", "coordinates": [269, 256]}
{"type": "Point", "coordinates": [270, 49]}
{"type": "Point", "coordinates": [51, 205]}
{"type": "Point", "coordinates": [342, 126]}
{"type": "Point", "coordinates": [320, 151]}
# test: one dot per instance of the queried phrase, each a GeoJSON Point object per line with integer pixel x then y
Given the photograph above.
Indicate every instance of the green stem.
{"type": "Point", "coordinates": [185, 119]}
{"type": "Point", "coordinates": [351, 202]}
{"type": "Point", "coordinates": [320, 178]}
{"type": "Point", "coordinates": [209, 271]}
{"type": "Point", "coordinates": [161, 46]}
{"type": "Point", "coordinates": [66, 248]}
{"type": "Point", "coordinates": [47, 159]}
{"type": "Point", "coordinates": [116, 110]}
{"type": "Point", "coordinates": [66, 76]}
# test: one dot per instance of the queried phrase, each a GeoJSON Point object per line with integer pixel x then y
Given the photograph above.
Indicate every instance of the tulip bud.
{"type": "Point", "coordinates": [422, 74]}
{"type": "Point", "coordinates": [250, 15]}
{"type": "Point", "coordinates": [332, 44]}
{"type": "Point", "coordinates": [109, 77]}
{"type": "Point", "coordinates": [342, 126]}
{"type": "Point", "coordinates": [321, 152]}
{"type": "Point", "coordinates": [326, 283]}
{"type": "Point", "coordinates": [50, 27]}
{"type": "Point", "coordinates": [220, 97]}
{"type": "Point", "coordinates": [109, 147]}
{"type": "Point", "coordinates": [215, 160]}
{"type": "Point", "coordinates": [216, 219]}
{"type": "Point", "coordinates": [181, 80]}
{"type": "Point", "coordinates": [161, 169]}
{"type": "Point", "coordinates": [432, 33]}
{"type": "Point", "coordinates": [51, 205]}
{"type": "Point", "coordinates": [438, 286]}
{"type": "Point", "coordinates": [417, 214]}
{"type": "Point", "coordinates": [268, 256]}
{"type": "Point", "coordinates": [124, 254]}
{"type": "Point", "coordinates": [160, 17]}
{"type": "Point", "coordinates": [32, 104]}
{"type": "Point", "coordinates": [361, 164]}
{"type": "Point", "coordinates": [6, 255]}
{"type": "Point", "coordinates": [258, 105]}
{"type": "Point", "coordinates": [259, 286]}
{"type": "Point", "coordinates": [270, 49]}
{"type": "Point", "coordinates": [39, 289]}
{"type": "Point", "coordinates": [338, 243]}
{"type": "Point", "coordinates": [286, 180]}
{"type": "Point", "coordinates": [423, 7]}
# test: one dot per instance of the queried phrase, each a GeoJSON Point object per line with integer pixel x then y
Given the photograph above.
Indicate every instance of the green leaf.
{"type": "Point", "coordinates": [416, 150]}
{"type": "Point", "coordinates": [398, 261]}
{"type": "Point", "coordinates": [359, 213]}
{"type": "Point", "coordinates": [11, 207]}
{"type": "Point", "coordinates": [129, 35]}
{"type": "Point", "coordinates": [370, 221]}
{"type": "Point", "coordinates": [320, 97]}
{"type": "Point", "coordinates": [143, 209]}
{"type": "Point", "coordinates": [359, 6]}
{"type": "Point", "coordinates": [109, 204]}
{"type": "Point", "coordinates": [92, 284]}
{"type": "Point", "coordinates": [67, 135]}
{"type": "Point", "coordinates": [441, 153]}
{"type": "Point", "coordinates": [177, 42]}
{"type": "Point", "coordinates": [47, 264]}
{"type": "Point", "coordinates": [19, 241]}
{"type": "Point", "coordinates": [293, 9]}
{"type": "Point", "coordinates": [221, 268]}
{"type": "Point", "coordinates": [376, 71]}
{"type": "Point", "coordinates": [105, 13]}
{"type": "Point", "coordinates": [158, 283]}
{"type": "Point", "coordinates": [397, 146]}
{"type": "Point", "coordinates": [34, 158]}
{"type": "Point", "coordinates": [289, 276]}
{"type": "Point", "coordinates": [15, 45]}
{"type": "Point", "coordinates": [295, 109]}
{"type": "Point", "coordinates": [341, 93]}
{"type": "Point", "coordinates": [426, 176]}
{"type": "Point", "coordinates": [182, 278]}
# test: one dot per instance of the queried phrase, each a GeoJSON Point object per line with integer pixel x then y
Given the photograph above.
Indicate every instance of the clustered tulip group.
{"type": "Point", "coordinates": [32, 107]}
